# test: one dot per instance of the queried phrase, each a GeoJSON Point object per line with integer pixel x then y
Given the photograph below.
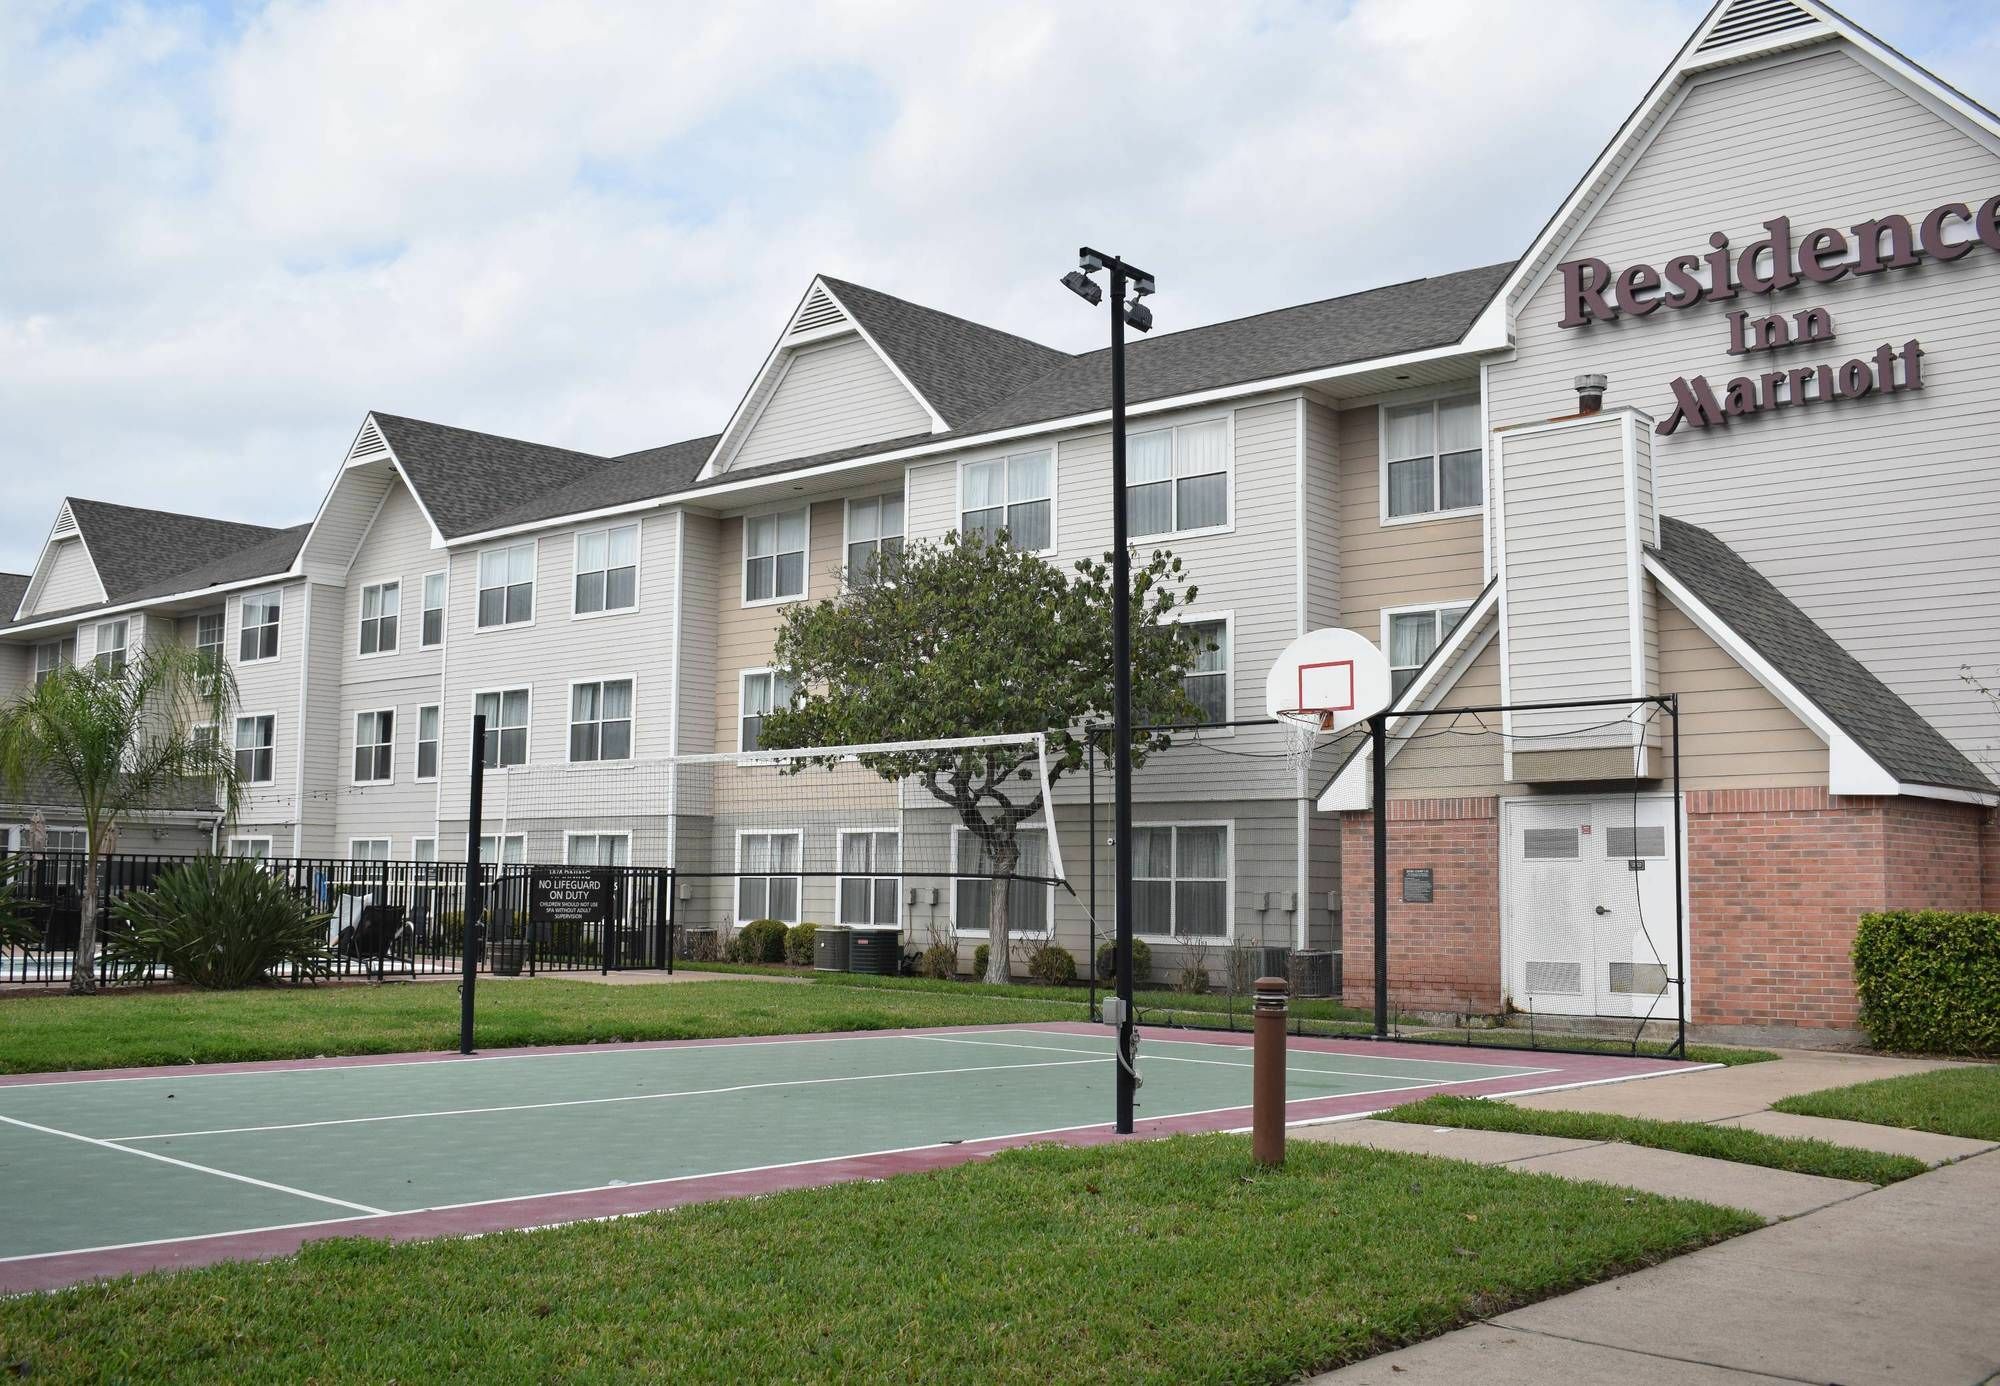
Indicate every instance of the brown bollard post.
{"type": "Point", "coordinates": [1267, 1072]}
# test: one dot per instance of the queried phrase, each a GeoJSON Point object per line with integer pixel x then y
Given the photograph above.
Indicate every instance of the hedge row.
{"type": "Point", "coordinates": [1929, 981]}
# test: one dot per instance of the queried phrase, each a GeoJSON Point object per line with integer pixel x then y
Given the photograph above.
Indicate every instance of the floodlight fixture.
{"type": "Point", "coordinates": [1084, 287]}
{"type": "Point", "coordinates": [1139, 315]}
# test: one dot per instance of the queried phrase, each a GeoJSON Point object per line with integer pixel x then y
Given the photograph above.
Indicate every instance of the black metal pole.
{"type": "Point", "coordinates": [1090, 767]}
{"type": "Point", "coordinates": [1680, 879]}
{"type": "Point", "coordinates": [475, 815]}
{"type": "Point", "coordinates": [1378, 752]}
{"type": "Point", "coordinates": [1121, 703]}
{"type": "Point", "coordinates": [673, 903]}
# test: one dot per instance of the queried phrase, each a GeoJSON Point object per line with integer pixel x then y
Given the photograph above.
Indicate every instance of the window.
{"type": "Point", "coordinates": [1412, 637]}
{"type": "Point", "coordinates": [427, 742]}
{"type": "Point", "coordinates": [1432, 461]}
{"type": "Point", "coordinates": [368, 849]}
{"type": "Point", "coordinates": [432, 633]}
{"type": "Point", "coordinates": [1207, 683]}
{"type": "Point", "coordinates": [111, 637]}
{"type": "Point", "coordinates": [764, 691]}
{"type": "Point", "coordinates": [1180, 881]}
{"type": "Point", "coordinates": [208, 638]}
{"type": "Point", "coordinates": [381, 606]}
{"type": "Point", "coordinates": [1177, 479]}
{"type": "Point", "coordinates": [865, 895]}
{"type": "Point", "coordinates": [506, 717]}
{"type": "Point", "coordinates": [250, 848]}
{"type": "Point", "coordinates": [597, 849]}
{"type": "Point", "coordinates": [254, 737]}
{"type": "Point", "coordinates": [511, 850]}
{"type": "Point", "coordinates": [423, 849]}
{"type": "Point", "coordinates": [607, 570]}
{"type": "Point", "coordinates": [1029, 902]}
{"type": "Point", "coordinates": [774, 556]}
{"type": "Point", "coordinates": [374, 747]}
{"type": "Point", "coordinates": [259, 637]}
{"type": "Point", "coordinates": [768, 887]}
{"type": "Point", "coordinates": [507, 585]}
{"type": "Point", "coordinates": [52, 655]}
{"type": "Point", "coordinates": [1012, 494]}
{"type": "Point", "coordinates": [600, 720]}
{"type": "Point", "coordinates": [206, 737]}
{"type": "Point", "coordinates": [874, 537]}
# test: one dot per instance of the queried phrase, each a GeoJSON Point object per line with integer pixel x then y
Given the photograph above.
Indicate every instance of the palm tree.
{"type": "Point", "coordinates": [114, 744]}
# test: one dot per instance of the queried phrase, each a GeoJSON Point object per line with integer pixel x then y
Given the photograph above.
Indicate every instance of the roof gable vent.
{"type": "Point", "coordinates": [371, 440]}
{"type": "Point", "coordinates": [1753, 19]}
{"type": "Point", "coordinates": [817, 312]}
{"type": "Point", "coordinates": [65, 523]}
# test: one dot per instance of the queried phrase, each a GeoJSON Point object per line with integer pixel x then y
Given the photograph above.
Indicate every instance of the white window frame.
{"type": "Point", "coordinates": [65, 648]}
{"type": "Point", "coordinates": [123, 626]}
{"type": "Point", "coordinates": [577, 570]}
{"type": "Point", "coordinates": [570, 840]}
{"type": "Point", "coordinates": [1007, 458]}
{"type": "Point", "coordinates": [570, 724]}
{"type": "Point", "coordinates": [805, 554]}
{"type": "Point", "coordinates": [534, 546]}
{"type": "Point", "coordinates": [425, 608]}
{"type": "Point", "coordinates": [498, 857]}
{"type": "Point", "coordinates": [1198, 616]}
{"type": "Point", "coordinates": [841, 877]}
{"type": "Point", "coordinates": [1434, 398]}
{"type": "Point", "coordinates": [1436, 609]}
{"type": "Point", "coordinates": [417, 849]}
{"type": "Point", "coordinates": [394, 718]}
{"type": "Point", "coordinates": [276, 596]}
{"type": "Point", "coordinates": [982, 929]}
{"type": "Point", "coordinates": [743, 677]}
{"type": "Point", "coordinates": [437, 741]}
{"type": "Point", "coordinates": [236, 748]}
{"type": "Point", "coordinates": [214, 730]}
{"type": "Point", "coordinates": [736, 905]}
{"type": "Point", "coordinates": [362, 619]}
{"type": "Point", "coordinates": [1228, 936]}
{"type": "Point", "coordinates": [247, 840]}
{"type": "Point", "coordinates": [221, 645]}
{"type": "Point", "coordinates": [388, 848]}
{"type": "Point", "coordinates": [1228, 526]}
{"type": "Point", "coordinates": [528, 728]}
{"type": "Point", "coordinates": [847, 540]}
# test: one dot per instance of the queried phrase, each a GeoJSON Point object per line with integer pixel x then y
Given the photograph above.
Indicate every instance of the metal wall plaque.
{"type": "Point", "coordinates": [1417, 885]}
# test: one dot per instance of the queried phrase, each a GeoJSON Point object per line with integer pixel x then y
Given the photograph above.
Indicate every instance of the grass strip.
{"type": "Point", "coordinates": [1688, 1137]}
{"type": "Point", "coordinates": [1160, 1261]}
{"type": "Point", "coordinates": [1948, 1101]}
{"type": "Point", "coordinates": [49, 1033]}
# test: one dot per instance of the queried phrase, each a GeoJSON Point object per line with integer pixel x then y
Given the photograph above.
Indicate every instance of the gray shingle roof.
{"type": "Point", "coordinates": [465, 478]}
{"type": "Point", "coordinates": [13, 587]}
{"type": "Point", "coordinates": [1864, 707]}
{"type": "Point", "coordinates": [140, 552]}
{"type": "Point", "coordinates": [636, 476]}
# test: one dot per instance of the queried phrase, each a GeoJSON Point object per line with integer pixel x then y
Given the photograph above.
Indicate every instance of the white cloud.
{"type": "Point", "coordinates": [228, 237]}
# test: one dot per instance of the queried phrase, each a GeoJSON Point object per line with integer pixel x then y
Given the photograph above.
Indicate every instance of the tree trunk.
{"type": "Point", "coordinates": [999, 953]}
{"type": "Point", "coordinates": [83, 969]}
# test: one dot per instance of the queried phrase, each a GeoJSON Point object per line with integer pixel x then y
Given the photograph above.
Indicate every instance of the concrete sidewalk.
{"type": "Point", "coordinates": [1900, 1285]}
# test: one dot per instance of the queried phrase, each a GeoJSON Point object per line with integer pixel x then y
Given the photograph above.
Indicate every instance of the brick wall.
{"type": "Point", "coordinates": [1445, 955]}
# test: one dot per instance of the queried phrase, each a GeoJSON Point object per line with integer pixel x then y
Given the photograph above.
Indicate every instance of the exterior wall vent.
{"type": "Point", "coordinates": [1753, 19]}
{"type": "Point", "coordinates": [818, 311]}
{"type": "Point", "coordinates": [65, 524]}
{"type": "Point", "coordinates": [371, 440]}
{"type": "Point", "coordinates": [1561, 977]}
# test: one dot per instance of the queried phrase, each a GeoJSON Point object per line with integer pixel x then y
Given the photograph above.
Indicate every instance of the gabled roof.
{"type": "Point", "coordinates": [1864, 708]}
{"type": "Point", "coordinates": [13, 587]}
{"type": "Point", "coordinates": [465, 479]}
{"type": "Point", "coordinates": [626, 480]}
{"type": "Point", "coordinates": [139, 552]}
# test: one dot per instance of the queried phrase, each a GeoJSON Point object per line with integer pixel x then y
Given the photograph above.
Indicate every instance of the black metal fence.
{"type": "Point", "coordinates": [385, 918]}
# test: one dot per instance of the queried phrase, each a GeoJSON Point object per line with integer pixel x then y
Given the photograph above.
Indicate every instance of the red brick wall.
{"type": "Point", "coordinates": [1445, 955]}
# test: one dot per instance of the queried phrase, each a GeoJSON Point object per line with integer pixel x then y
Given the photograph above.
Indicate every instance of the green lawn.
{"type": "Point", "coordinates": [1174, 1261]}
{"type": "Point", "coordinates": [120, 1029]}
{"type": "Point", "coordinates": [1688, 1137]}
{"type": "Point", "coordinates": [1950, 1101]}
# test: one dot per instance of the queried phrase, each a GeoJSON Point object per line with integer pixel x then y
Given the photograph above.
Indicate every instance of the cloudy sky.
{"type": "Point", "coordinates": [232, 228]}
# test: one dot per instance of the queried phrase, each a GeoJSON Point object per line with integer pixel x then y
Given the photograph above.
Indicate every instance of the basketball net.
{"type": "Point", "coordinates": [1303, 727]}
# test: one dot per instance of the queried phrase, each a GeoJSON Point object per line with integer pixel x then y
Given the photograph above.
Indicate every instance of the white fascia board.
{"type": "Point", "coordinates": [725, 439]}
{"type": "Point", "coordinates": [39, 577]}
{"type": "Point", "coordinates": [938, 425]}
{"type": "Point", "coordinates": [366, 460]}
{"type": "Point", "coordinates": [98, 613]}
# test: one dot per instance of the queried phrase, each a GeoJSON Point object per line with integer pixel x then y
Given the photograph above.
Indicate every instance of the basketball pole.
{"type": "Point", "coordinates": [1378, 753]}
{"type": "Point", "coordinates": [468, 951]}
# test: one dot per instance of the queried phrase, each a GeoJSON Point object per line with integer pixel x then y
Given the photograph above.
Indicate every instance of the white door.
{"type": "Point", "coordinates": [1587, 911]}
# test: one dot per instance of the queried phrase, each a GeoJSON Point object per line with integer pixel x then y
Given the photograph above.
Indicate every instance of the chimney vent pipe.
{"type": "Point", "coordinates": [1590, 393]}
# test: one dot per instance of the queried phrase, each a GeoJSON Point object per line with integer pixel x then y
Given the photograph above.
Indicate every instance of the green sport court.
{"type": "Point", "coordinates": [118, 1172]}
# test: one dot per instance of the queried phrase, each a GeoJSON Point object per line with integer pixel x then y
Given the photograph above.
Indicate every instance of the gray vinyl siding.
{"type": "Point", "coordinates": [703, 578]}
{"type": "Point", "coordinates": [1879, 516]}
{"type": "Point", "coordinates": [17, 670]}
{"type": "Point", "coordinates": [325, 750]}
{"type": "Point", "coordinates": [271, 687]}
{"type": "Point", "coordinates": [344, 521]}
{"type": "Point", "coordinates": [70, 579]}
{"type": "Point", "coordinates": [835, 395]}
{"type": "Point", "coordinates": [1319, 523]}
{"type": "Point", "coordinates": [397, 548]}
{"type": "Point", "coordinates": [931, 511]}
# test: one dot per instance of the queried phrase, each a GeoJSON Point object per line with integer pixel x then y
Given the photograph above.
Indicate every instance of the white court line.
{"type": "Point", "coordinates": [1216, 1063]}
{"type": "Point", "coordinates": [199, 1169]}
{"type": "Point", "coordinates": [1511, 1070]}
{"type": "Point", "coordinates": [594, 1101]}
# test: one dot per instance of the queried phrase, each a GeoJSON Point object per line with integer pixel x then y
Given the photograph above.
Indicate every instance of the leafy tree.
{"type": "Point", "coordinates": [969, 637]}
{"type": "Point", "coordinates": [115, 744]}
{"type": "Point", "coordinates": [16, 930]}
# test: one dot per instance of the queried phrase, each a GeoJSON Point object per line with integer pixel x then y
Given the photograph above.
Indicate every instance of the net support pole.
{"type": "Point", "coordinates": [1378, 755]}
{"type": "Point", "coordinates": [474, 901]}
{"type": "Point", "coordinates": [1090, 768]}
{"type": "Point", "coordinates": [1121, 703]}
{"type": "Point", "coordinates": [1680, 886]}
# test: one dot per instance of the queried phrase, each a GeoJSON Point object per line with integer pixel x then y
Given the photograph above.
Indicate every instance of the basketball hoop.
{"type": "Point", "coordinates": [1324, 682]}
{"type": "Point", "coordinates": [1303, 727]}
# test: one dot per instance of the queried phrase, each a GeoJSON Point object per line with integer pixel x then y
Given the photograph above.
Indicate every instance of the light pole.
{"type": "Point", "coordinates": [1079, 282]}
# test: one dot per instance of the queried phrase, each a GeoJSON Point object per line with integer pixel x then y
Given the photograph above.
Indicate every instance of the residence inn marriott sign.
{"type": "Point", "coordinates": [1948, 232]}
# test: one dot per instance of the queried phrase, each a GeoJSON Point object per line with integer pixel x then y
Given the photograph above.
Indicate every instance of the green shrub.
{"type": "Point", "coordinates": [1052, 966]}
{"type": "Point", "coordinates": [799, 944]}
{"type": "Point", "coordinates": [1929, 981]}
{"type": "Point", "coordinates": [759, 941]}
{"type": "Point", "coordinates": [979, 957]}
{"type": "Point", "coordinates": [1142, 959]}
{"type": "Point", "coordinates": [940, 961]}
{"type": "Point", "coordinates": [218, 924]}
{"type": "Point", "coordinates": [16, 929]}
{"type": "Point", "coordinates": [1193, 980]}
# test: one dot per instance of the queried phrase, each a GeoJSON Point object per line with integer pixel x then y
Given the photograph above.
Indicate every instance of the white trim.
{"type": "Point", "coordinates": [798, 876]}
{"type": "Point", "coordinates": [381, 501]}
{"type": "Point", "coordinates": [938, 425]}
{"type": "Point", "coordinates": [1200, 615]}
{"type": "Point", "coordinates": [417, 745]}
{"type": "Point", "coordinates": [570, 835]}
{"type": "Point", "coordinates": [569, 719]}
{"type": "Point", "coordinates": [679, 672]}
{"type": "Point", "coordinates": [472, 710]}
{"type": "Point", "coordinates": [637, 524]}
{"type": "Point", "coordinates": [360, 621]}
{"type": "Point", "coordinates": [38, 580]}
{"type": "Point", "coordinates": [743, 676]}
{"type": "Point", "coordinates": [234, 748]}
{"type": "Point", "coordinates": [899, 493]}
{"type": "Point", "coordinates": [840, 878]}
{"type": "Point", "coordinates": [67, 620]}
{"type": "Point", "coordinates": [500, 840]}
{"type": "Point", "coordinates": [1301, 581]}
{"type": "Point", "coordinates": [1005, 458]}
{"type": "Point", "coordinates": [395, 717]}
{"type": "Point", "coordinates": [1228, 937]}
{"type": "Point", "coordinates": [305, 684]}
{"type": "Point", "coordinates": [444, 608]}
{"type": "Point", "coordinates": [229, 845]}
{"type": "Point", "coordinates": [388, 848]}
{"type": "Point", "coordinates": [278, 651]}
{"type": "Point", "coordinates": [1433, 396]}
{"type": "Point", "coordinates": [984, 930]}
{"type": "Point", "coordinates": [1436, 609]}
{"type": "Point", "coordinates": [780, 510]}
{"type": "Point", "coordinates": [534, 587]}
{"type": "Point", "coordinates": [1635, 597]}
{"type": "Point", "coordinates": [1225, 416]}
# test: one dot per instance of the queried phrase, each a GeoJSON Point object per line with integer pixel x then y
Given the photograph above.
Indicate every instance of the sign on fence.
{"type": "Point", "coordinates": [569, 895]}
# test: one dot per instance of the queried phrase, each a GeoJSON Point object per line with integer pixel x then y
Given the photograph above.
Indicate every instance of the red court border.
{"type": "Point", "coordinates": [540, 1210]}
